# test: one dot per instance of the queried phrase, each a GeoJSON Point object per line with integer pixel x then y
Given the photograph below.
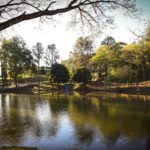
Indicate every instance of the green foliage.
{"type": "Point", "coordinates": [59, 73]}
{"type": "Point", "coordinates": [27, 58]}
{"type": "Point", "coordinates": [145, 45]}
{"type": "Point", "coordinates": [109, 41]}
{"type": "Point", "coordinates": [33, 68]}
{"type": "Point", "coordinates": [51, 55]}
{"type": "Point", "coordinates": [32, 79]}
{"type": "Point", "coordinates": [119, 74]}
{"type": "Point", "coordinates": [132, 54]}
{"type": "Point", "coordinates": [38, 51]}
{"type": "Point", "coordinates": [83, 51]}
{"type": "Point", "coordinates": [123, 62]}
{"type": "Point", "coordinates": [83, 75]}
{"type": "Point", "coordinates": [102, 59]}
{"type": "Point", "coordinates": [4, 59]}
{"type": "Point", "coordinates": [43, 70]}
{"type": "Point", "coordinates": [84, 44]}
{"type": "Point", "coordinates": [18, 57]}
{"type": "Point", "coordinates": [66, 63]}
{"type": "Point", "coordinates": [113, 61]}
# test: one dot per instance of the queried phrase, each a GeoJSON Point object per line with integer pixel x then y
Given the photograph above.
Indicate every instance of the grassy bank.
{"type": "Point", "coordinates": [143, 88]}
{"type": "Point", "coordinates": [45, 87]}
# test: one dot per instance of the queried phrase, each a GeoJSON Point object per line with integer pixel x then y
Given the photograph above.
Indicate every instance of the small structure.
{"type": "Point", "coordinates": [68, 88]}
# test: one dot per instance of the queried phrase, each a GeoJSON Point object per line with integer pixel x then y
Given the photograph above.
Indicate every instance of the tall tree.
{"type": "Point", "coordinates": [27, 59]}
{"type": "Point", "coordinates": [102, 60]}
{"type": "Point", "coordinates": [4, 53]}
{"type": "Point", "coordinates": [82, 75]}
{"type": "Point", "coordinates": [59, 73]}
{"type": "Point", "coordinates": [38, 51]}
{"type": "Point", "coordinates": [109, 41]}
{"type": "Point", "coordinates": [51, 55]}
{"type": "Point", "coordinates": [132, 56]}
{"type": "Point", "coordinates": [88, 11]}
{"type": "Point", "coordinates": [144, 50]}
{"type": "Point", "coordinates": [83, 50]}
{"type": "Point", "coordinates": [18, 56]}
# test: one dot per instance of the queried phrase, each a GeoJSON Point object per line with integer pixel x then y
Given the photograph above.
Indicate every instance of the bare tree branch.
{"type": "Point", "coordinates": [72, 2]}
{"type": "Point", "coordinates": [50, 5]}
{"type": "Point", "coordinates": [90, 10]}
{"type": "Point", "coordinates": [137, 35]}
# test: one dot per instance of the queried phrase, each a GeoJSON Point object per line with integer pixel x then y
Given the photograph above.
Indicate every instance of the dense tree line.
{"type": "Point", "coordinates": [18, 60]}
{"type": "Point", "coordinates": [121, 62]}
{"type": "Point", "coordinates": [112, 61]}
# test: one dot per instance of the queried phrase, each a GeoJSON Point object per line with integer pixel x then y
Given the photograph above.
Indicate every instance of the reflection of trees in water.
{"type": "Point", "coordinates": [148, 143]}
{"type": "Point", "coordinates": [84, 134]}
{"type": "Point", "coordinates": [45, 123]}
{"type": "Point", "coordinates": [24, 116]}
{"type": "Point", "coordinates": [83, 104]}
{"type": "Point", "coordinates": [83, 130]}
{"type": "Point", "coordinates": [130, 116]}
{"type": "Point", "coordinates": [11, 126]}
{"type": "Point", "coordinates": [59, 104]}
{"type": "Point", "coordinates": [113, 117]}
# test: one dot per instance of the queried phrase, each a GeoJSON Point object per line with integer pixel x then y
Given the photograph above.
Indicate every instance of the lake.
{"type": "Point", "coordinates": [95, 121]}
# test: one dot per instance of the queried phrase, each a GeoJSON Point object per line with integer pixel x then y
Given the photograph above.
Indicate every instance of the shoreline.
{"type": "Point", "coordinates": [33, 88]}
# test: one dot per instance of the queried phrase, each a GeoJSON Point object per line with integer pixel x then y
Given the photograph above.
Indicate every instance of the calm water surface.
{"type": "Point", "coordinates": [74, 122]}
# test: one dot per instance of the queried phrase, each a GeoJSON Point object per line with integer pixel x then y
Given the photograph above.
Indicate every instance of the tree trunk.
{"type": "Point", "coordinates": [58, 85]}
{"type": "Point", "coordinates": [105, 82]}
{"type": "Point", "coordinates": [15, 80]}
{"type": "Point", "coordinates": [84, 86]}
{"type": "Point", "coordinates": [39, 76]}
{"type": "Point", "coordinates": [143, 71]}
{"type": "Point", "coordinates": [137, 82]}
{"type": "Point", "coordinates": [129, 79]}
{"type": "Point", "coordinates": [3, 82]}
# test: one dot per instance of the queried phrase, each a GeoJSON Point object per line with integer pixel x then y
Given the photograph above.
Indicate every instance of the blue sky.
{"type": "Point", "coordinates": [145, 5]}
{"type": "Point", "coordinates": [64, 38]}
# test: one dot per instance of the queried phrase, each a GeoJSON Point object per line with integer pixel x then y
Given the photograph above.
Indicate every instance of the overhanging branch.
{"type": "Point", "coordinates": [81, 5]}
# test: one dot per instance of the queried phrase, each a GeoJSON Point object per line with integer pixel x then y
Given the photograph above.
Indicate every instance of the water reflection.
{"type": "Point", "coordinates": [99, 121]}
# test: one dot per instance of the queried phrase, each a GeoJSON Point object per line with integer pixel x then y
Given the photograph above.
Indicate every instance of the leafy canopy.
{"type": "Point", "coordinates": [83, 75]}
{"type": "Point", "coordinates": [59, 73]}
{"type": "Point", "coordinates": [16, 56]}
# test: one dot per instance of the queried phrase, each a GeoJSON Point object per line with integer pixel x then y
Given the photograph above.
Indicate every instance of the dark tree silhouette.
{"type": "Point", "coordinates": [59, 73]}
{"type": "Point", "coordinates": [109, 41]}
{"type": "Point", "coordinates": [83, 75]}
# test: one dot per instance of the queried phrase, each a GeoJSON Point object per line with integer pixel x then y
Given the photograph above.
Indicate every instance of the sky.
{"type": "Point", "coordinates": [64, 38]}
